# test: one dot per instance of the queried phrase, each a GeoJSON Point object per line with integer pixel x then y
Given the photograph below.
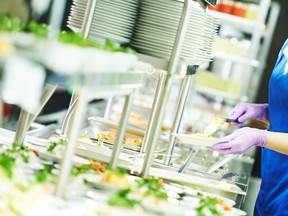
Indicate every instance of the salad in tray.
{"type": "Point", "coordinates": [29, 183]}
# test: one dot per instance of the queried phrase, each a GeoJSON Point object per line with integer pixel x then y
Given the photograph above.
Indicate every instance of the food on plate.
{"type": "Point", "coordinates": [134, 119]}
{"type": "Point", "coordinates": [203, 135]}
{"type": "Point", "coordinates": [94, 166]}
{"type": "Point", "coordinates": [133, 141]}
{"type": "Point", "coordinates": [152, 186]}
{"type": "Point", "coordinates": [98, 166]}
{"type": "Point", "coordinates": [116, 178]}
{"type": "Point", "coordinates": [105, 135]}
{"type": "Point", "coordinates": [14, 24]}
{"type": "Point", "coordinates": [213, 125]}
{"type": "Point", "coordinates": [6, 47]}
{"type": "Point", "coordinates": [111, 136]}
{"type": "Point", "coordinates": [162, 207]}
{"type": "Point", "coordinates": [144, 188]}
{"type": "Point", "coordinates": [57, 145]}
{"type": "Point", "coordinates": [123, 198]}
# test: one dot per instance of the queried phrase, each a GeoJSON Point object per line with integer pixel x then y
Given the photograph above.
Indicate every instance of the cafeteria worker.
{"type": "Point", "coordinates": [273, 195]}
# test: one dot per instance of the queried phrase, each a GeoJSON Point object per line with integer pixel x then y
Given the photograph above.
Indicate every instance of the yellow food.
{"type": "Point", "coordinates": [203, 135]}
{"type": "Point", "coordinates": [105, 135]}
{"type": "Point", "coordinates": [133, 141]}
{"type": "Point", "coordinates": [110, 136]}
{"type": "Point", "coordinates": [117, 179]}
{"type": "Point", "coordinates": [6, 47]}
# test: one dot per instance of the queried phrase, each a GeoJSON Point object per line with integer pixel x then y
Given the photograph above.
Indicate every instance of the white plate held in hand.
{"type": "Point", "coordinates": [193, 139]}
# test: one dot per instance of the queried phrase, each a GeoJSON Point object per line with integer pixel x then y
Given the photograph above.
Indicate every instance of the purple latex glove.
{"type": "Point", "coordinates": [245, 111]}
{"type": "Point", "coordinates": [241, 140]}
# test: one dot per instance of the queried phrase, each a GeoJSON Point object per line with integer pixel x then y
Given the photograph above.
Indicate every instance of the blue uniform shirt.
{"type": "Point", "coordinates": [273, 196]}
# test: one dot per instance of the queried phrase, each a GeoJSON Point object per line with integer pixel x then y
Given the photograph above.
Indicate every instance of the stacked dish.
{"type": "Point", "coordinates": [157, 25]}
{"type": "Point", "coordinates": [77, 14]}
{"type": "Point", "coordinates": [108, 19]}
{"type": "Point", "coordinates": [114, 19]}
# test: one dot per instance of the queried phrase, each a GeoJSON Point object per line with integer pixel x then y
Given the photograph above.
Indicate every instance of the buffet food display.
{"type": "Point", "coordinates": [29, 179]}
{"type": "Point", "coordinates": [99, 172]}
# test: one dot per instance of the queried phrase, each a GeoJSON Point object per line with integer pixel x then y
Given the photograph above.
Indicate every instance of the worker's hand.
{"type": "Point", "coordinates": [241, 140]}
{"type": "Point", "coordinates": [245, 111]}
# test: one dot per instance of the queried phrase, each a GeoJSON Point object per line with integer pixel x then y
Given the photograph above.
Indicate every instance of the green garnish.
{"type": "Point", "coordinates": [8, 157]}
{"type": "Point", "coordinates": [41, 30]}
{"type": "Point", "coordinates": [199, 194]}
{"type": "Point", "coordinates": [7, 162]}
{"type": "Point", "coordinates": [154, 187]}
{"type": "Point", "coordinates": [208, 204]}
{"type": "Point", "coordinates": [53, 144]}
{"type": "Point", "coordinates": [44, 174]}
{"type": "Point", "coordinates": [70, 37]}
{"type": "Point", "coordinates": [10, 24]}
{"type": "Point", "coordinates": [84, 136]}
{"type": "Point", "coordinates": [117, 170]}
{"type": "Point", "coordinates": [121, 198]}
{"type": "Point", "coordinates": [80, 169]}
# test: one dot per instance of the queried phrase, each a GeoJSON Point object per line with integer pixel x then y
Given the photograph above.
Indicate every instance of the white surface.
{"type": "Point", "coordinates": [193, 139]}
{"type": "Point", "coordinates": [23, 83]}
{"type": "Point", "coordinates": [196, 180]}
{"type": "Point", "coordinates": [69, 59]}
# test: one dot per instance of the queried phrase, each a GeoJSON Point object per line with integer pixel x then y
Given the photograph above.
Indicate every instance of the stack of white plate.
{"type": "Point", "coordinates": [77, 13]}
{"type": "Point", "coordinates": [114, 19]}
{"type": "Point", "coordinates": [110, 19]}
{"type": "Point", "coordinates": [157, 26]}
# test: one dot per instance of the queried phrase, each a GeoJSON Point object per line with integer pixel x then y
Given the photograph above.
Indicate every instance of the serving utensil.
{"type": "Point", "coordinates": [209, 129]}
{"type": "Point", "coordinates": [189, 159]}
{"type": "Point", "coordinates": [215, 124]}
{"type": "Point", "coordinates": [221, 162]}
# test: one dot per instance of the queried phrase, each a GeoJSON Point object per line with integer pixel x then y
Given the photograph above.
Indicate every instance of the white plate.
{"type": "Point", "coordinates": [102, 36]}
{"type": "Point", "coordinates": [103, 28]}
{"type": "Point", "coordinates": [162, 207]}
{"type": "Point", "coordinates": [151, 15]}
{"type": "Point", "coordinates": [163, 26]}
{"type": "Point", "coordinates": [193, 192]}
{"type": "Point", "coordinates": [52, 157]}
{"type": "Point", "coordinates": [96, 183]}
{"type": "Point", "coordinates": [114, 10]}
{"type": "Point", "coordinates": [130, 9]}
{"type": "Point", "coordinates": [236, 212]}
{"type": "Point", "coordinates": [193, 139]}
{"type": "Point", "coordinates": [115, 21]}
{"type": "Point", "coordinates": [156, 29]}
{"type": "Point", "coordinates": [207, 184]}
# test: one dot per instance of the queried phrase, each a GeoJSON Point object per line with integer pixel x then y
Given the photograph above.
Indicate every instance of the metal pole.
{"type": "Point", "coordinates": [89, 13]}
{"type": "Point", "coordinates": [186, 83]}
{"type": "Point", "coordinates": [121, 130]}
{"type": "Point", "coordinates": [66, 164]}
{"type": "Point", "coordinates": [56, 17]}
{"type": "Point", "coordinates": [154, 110]}
{"type": "Point", "coordinates": [154, 133]}
{"type": "Point", "coordinates": [108, 108]}
{"type": "Point", "coordinates": [21, 126]}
